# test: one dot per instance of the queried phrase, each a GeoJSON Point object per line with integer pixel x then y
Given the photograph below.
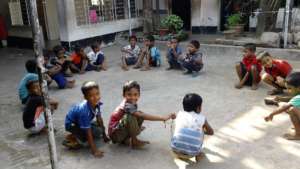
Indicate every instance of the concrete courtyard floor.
{"type": "Point", "coordinates": [242, 139]}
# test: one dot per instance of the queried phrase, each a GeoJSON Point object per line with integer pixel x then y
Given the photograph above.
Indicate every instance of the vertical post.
{"type": "Point", "coordinates": [38, 49]}
{"type": "Point", "coordinates": [129, 17]}
{"type": "Point", "coordinates": [286, 23]}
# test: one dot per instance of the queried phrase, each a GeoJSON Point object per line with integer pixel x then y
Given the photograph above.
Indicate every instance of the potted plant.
{"type": "Point", "coordinates": [234, 23]}
{"type": "Point", "coordinates": [173, 23]}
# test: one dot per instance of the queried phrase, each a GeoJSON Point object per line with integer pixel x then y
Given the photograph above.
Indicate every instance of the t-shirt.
{"type": "Point", "coordinates": [76, 59]}
{"type": "Point", "coordinates": [155, 54]}
{"type": "Point", "coordinates": [279, 68]}
{"type": "Point", "coordinates": [33, 102]}
{"type": "Point", "coordinates": [135, 51]}
{"type": "Point", "coordinates": [248, 61]}
{"type": "Point", "coordinates": [23, 92]}
{"type": "Point", "coordinates": [194, 57]}
{"type": "Point", "coordinates": [94, 56]}
{"type": "Point", "coordinates": [118, 114]}
{"type": "Point", "coordinates": [188, 134]}
{"type": "Point", "coordinates": [82, 115]}
{"type": "Point", "coordinates": [178, 51]}
{"type": "Point", "coordinates": [295, 101]}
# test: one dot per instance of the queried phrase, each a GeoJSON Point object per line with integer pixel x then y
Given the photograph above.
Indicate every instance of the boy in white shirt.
{"type": "Point", "coordinates": [97, 58]}
{"type": "Point", "coordinates": [190, 127]}
{"type": "Point", "coordinates": [130, 53]}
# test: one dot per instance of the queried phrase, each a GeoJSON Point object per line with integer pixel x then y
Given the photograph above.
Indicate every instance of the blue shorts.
{"type": "Point", "coordinates": [131, 60]}
{"type": "Point", "coordinates": [60, 79]}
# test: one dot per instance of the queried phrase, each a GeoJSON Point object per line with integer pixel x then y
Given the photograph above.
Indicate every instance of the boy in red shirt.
{"type": "Point", "coordinates": [276, 72]}
{"type": "Point", "coordinates": [249, 69]}
{"type": "Point", "coordinates": [79, 59]}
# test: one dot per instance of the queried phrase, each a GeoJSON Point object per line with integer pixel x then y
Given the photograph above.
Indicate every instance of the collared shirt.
{"type": "Point", "coordinates": [178, 51]}
{"type": "Point", "coordinates": [82, 114]}
{"type": "Point", "coordinates": [118, 114]}
{"type": "Point", "coordinates": [94, 56]}
{"type": "Point", "coordinates": [134, 52]}
{"type": "Point", "coordinates": [23, 92]}
{"type": "Point", "coordinates": [155, 54]}
{"type": "Point", "coordinates": [279, 68]}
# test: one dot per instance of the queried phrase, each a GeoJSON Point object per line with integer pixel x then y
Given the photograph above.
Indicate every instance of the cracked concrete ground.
{"type": "Point", "coordinates": [242, 139]}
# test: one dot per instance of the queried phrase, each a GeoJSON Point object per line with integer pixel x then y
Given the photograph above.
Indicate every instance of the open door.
{"type": "Point", "coordinates": [182, 8]}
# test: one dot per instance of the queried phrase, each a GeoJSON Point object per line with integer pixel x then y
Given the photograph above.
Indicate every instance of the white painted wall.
{"type": "Point", "coordinates": [69, 31]}
{"type": "Point", "coordinates": [162, 4]}
{"type": "Point", "coordinates": [206, 12]}
{"type": "Point", "coordinates": [52, 20]}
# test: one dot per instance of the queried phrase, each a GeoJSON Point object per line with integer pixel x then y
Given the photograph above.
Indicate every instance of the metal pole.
{"type": "Point", "coordinates": [38, 51]}
{"type": "Point", "coordinates": [286, 23]}
{"type": "Point", "coordinates": [129, 17]}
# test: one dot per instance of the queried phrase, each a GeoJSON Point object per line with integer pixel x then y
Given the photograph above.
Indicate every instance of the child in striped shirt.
{"type": "Point", "coordinates": [190, 127]}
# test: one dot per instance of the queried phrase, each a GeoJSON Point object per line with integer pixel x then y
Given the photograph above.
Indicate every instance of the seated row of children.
{"type": "Point", "coordinates": [132, 54]}
{"type": "Point", "coordinates": [280, 76]}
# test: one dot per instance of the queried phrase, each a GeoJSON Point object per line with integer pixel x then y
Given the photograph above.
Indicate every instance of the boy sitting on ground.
{"type": "Point", "coordinates": [33, 115]}
{"type": "Point", "coordinates": [56, 73]}
{"type": "Point", "coordinates": [150, 53]}
{"type": "Point", "coordinates": [62, 60]}
{"type": "Point", "coordinates": [249, 69]}
{"type": "Point", "coordinates": [292, 107]}
{"type": "Point", "coordinates": [173, 55]}
{"type": "Point", "coordinates": [276, 72]}
{"type": "Point", "coordinates": [130, 53]}
{"type": "Point", "coordinates": [126, 122]}
{"type": "Point", "coordinates": [190, 127]}
{"type": "Point", "coordinates": [79, 59]}
{"type": "Point", "coordinates": [31, 75]}
{"type": "Point", "coordinates": [96, 57]}
{"type": "Point", "coordinates": [79, 120]}
{"type": "Point", "coordinates": [192, 62]}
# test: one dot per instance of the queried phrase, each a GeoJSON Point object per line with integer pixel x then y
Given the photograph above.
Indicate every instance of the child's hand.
{"type": "Point", "coordinates": [170, 116]}
{"type": "Point", "coordinates": [98, 153]}
{"type": "Point", "coordinates": [269, 118]}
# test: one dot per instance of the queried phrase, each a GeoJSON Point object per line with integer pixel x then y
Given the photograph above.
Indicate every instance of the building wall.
{"type": "Point", "coordinates": [4, 11]}
{"type": "Point", "coordinates": [52, 20]}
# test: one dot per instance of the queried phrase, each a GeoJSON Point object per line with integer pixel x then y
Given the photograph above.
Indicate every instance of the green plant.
{"type": "Point", "coordinates": [234, 20]}
{"type": "Point", "coordinates": [173, 22]}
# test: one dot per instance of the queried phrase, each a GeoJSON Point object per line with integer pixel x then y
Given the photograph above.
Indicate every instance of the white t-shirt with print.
{"type": "Point", "coordinates": [135, 52]}
{"type": "Point", "coordinates": [93, 56]}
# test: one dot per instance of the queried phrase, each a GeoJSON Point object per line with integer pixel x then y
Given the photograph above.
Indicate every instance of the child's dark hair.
{"type": "Point", "coordinates": [195, 43]}
{"type": "Point", "coordinates": [262, 55]}
{"type": "Point", "coordinates": [130, 85]}
{"type": "Point", "coordinates": [77, 48]}
{"type": "Point", "coordinates": [57, 48]}
{"type": "Point", "coordinates": [31, 66]}
{"type": "Point", "coordinates": [31, 82]}
{"type": "Point", "coordinates": [132, 37]}
{"type": "Point", "coordinates": [250, 46]}
{"type": "Point", "coordinates": [293, 79]}
{"type": "Point", "coordinates": [95, 45]}
{"type": "Point", "coordinates": [191, 102]}
{"type": "Point", "coordinates": [150, 38]}
{"type": "Point", "coordinates": [87, 86]}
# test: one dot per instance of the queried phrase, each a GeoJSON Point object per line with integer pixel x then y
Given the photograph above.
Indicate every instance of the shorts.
{"type": "Point", "coordinates": [80, 134]}
{"type": "Point", "coordinates": [24, 100]}
{"type": "Point", "coordinates": [60, 79]}
{"type": "Point", "coordinates": [153, 62]}
{"type": "Point", "coordinates": [131, 60]}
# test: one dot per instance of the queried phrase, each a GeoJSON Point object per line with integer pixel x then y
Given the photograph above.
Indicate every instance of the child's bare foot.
{"type": "Point", "coordinates": [125, 68]}
{"type": "Point", "coordinates": [289, 136]}
{"type": "Point", "coordinates": [98, 153]}
{"type": "Point", "coordinates": [71, 142]}
{"type": "Point", "coordinates": [146, 68]}
{"type": "Point", "coordinates": [142, 129]}
{"type": "Point", "coordinates": [238, 86]}
{"type": "Point", "coordinates": [136, 67]}
{"type": "Point", "coordinates": [254, 87]}
{"type": "Point", "coordinates": [138, 144]}
{"type": "Point", "coordinates": [199, 156]}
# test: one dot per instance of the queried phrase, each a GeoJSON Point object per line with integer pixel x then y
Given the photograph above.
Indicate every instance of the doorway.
{"type": "Point", "coordinates": [182, 8]}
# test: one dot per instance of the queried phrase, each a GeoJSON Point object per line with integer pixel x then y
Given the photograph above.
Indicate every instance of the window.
{"type": "Point", "coordinates": [98, 11]}
{"type": "Point", "coordinates": [18, 12]}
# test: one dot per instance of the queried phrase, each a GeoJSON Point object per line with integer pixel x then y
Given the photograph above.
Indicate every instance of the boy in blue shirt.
{"type": "Point", "coordinates": [292, 107]}
{"type": "Point", "coordinates": [79, 120]}
{"type": "Point", "coordinates": [31, 75]}
{"type": "Point", "coordinates": [173, 55]}
{"type": "Point", "coordinates": [150, 53]}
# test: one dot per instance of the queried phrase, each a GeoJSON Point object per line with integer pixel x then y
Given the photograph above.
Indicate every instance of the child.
{"type": "Point", "coordinates": [190, 127]}
{"type": "Point", "coordinates": [126, 122]}
{"type": "Point", "coordinates": [150, 53]}
{"type": "Point", "coordinates": [249, 69]}
{"type": "Point", "coordinates": [56, 73]}
{"type": "Point", "coordinates": [174, 52]}
{"type": "Point", "coordinates": [31, 75]}
{"type": "Point", "coordinates": [97, 58]}
{"type": "Point", "coordinates": [130, 53]}
{"type": "Point", "coordinates": [61, 59]}
{"type": "Point", "coordinates": [292, 107]}
{"type": "Point", "coordinates": [192, 62]}
{"type": "Point", "coordinates": [79, 120]}
{"type": "Point", "coordinates": [79, 59]}
{"type": "Point", "coordinates": [33, 115]}
{"type": "Point", "coordinates": [276, 72]}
